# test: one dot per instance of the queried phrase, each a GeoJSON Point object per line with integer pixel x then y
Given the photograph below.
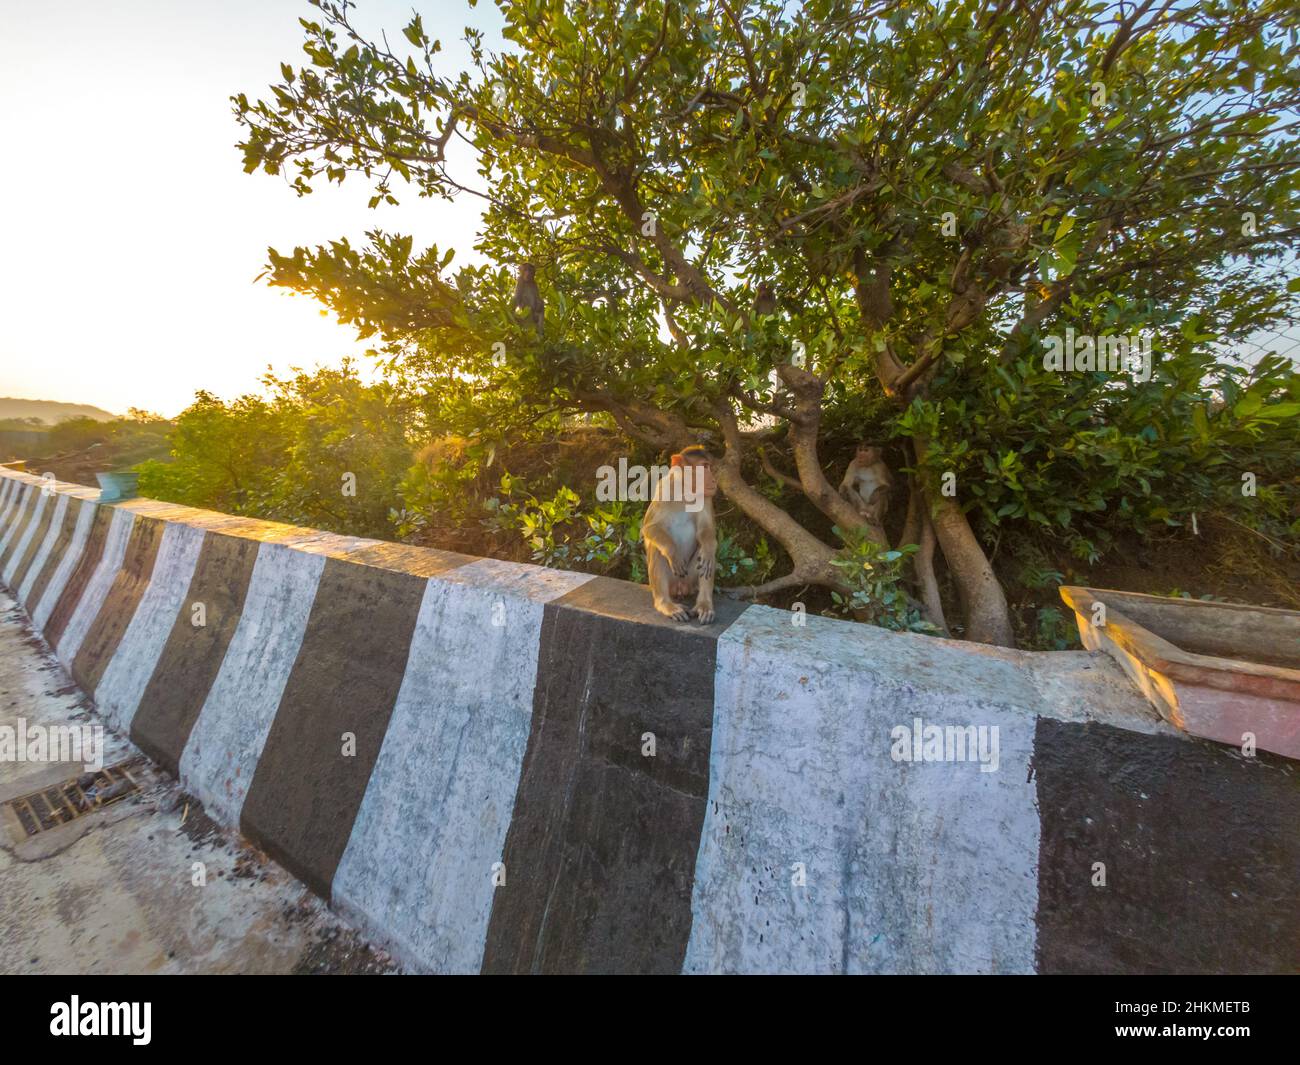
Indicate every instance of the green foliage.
{"type": "Point", "coordinates": [544, 524]}
{"type": "Point", "coordinates": [874, 576]}
{"type": "Point", "coordinates": [129, 439]}
{"type": "Point", "coordinates": [1036, 577]}
{"type": "Point", "coordinates": [614, 537]}
{"type": "Point", "coordinates": [1021, 148]}
{"type": "Point", "coordinates": [1083, 458]}
{"type": "Point", "coordinates": [77, 434]}
{"type": "Point", "coordinates": [1055, 631]}
{"type": "Point", "coordinates": [1177, 593]}
{"type": "Point", "coordinates": [284, 456]}
{"type": "Point", "coordinates": [561, 534]}
{"type": "Point", "coordinates": [934, 190]}
{"type": "Point", "coordinates": [225, 456]}
{"type": "Point", "coordinates": [735, 564]}
{"type": "Point", "coordinates": [565, 533]}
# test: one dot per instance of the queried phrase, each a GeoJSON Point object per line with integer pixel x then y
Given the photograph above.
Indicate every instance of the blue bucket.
{"type": "Point", "coordinates": [120, 484]}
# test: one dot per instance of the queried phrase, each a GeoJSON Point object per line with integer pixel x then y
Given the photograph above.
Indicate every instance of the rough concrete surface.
{"type": "Point", "coordinates": [68, 556]}
{"type": "Point", "coordinates": [881, 866]}
{"type": "Point", "coordinates": [100, 584]}
{"type": "Point", "coordinates": [227, 739]}
{"type": "Point", "coordinates": [396, 725]}
{"type": "Point", "coordinates": [418, 869]}
{"type": "Point", "coordinates": [44, 545]}
{"type": "Point", "coordinates": [113, 891]}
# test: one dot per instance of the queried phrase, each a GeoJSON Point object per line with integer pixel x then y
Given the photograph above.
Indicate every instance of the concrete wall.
{"type": "Point", "coordinates": [501, 768]}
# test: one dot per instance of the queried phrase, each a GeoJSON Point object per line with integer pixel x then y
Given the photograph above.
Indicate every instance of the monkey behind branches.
{"type": "Point", "coordinates": [527, 296]}
{"type": "Point", "coordinates": [764, 299]}
{"type": "Point", "coordinates": [867, 483]}
{"type": "Point", "coordinates": [681, 541]}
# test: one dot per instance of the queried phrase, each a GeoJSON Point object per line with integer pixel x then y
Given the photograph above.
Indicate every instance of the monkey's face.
{"type": "Point", "coordinates": [526, 271]}
{"type": "Point", "coordinates": [868, 455]}
{"type": "Point", "coordinates": [702, 479]}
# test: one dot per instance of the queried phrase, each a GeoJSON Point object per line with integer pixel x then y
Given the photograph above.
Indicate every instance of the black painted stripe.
{"type": "Point", "coordinates": [57, 551]}
{"type": "Point", "coordinates": [80, 576]}
{"type": "Point", "coordinates": [1201, 851]}
{"type": "Point", "coordinates": [12, 487]}
{"type": "Point", "coordinates": [306, 792]}
{"type": "Point", "coordinates": [193, 654]}
{"type": "Point", "coordinates": [34, 544]}
{"type": "Point", "coordinates": [119, 605]}
{"type": "Point", "coordinates": [600, 854]}
{"type": "Point", "coordinates": [19, 520]}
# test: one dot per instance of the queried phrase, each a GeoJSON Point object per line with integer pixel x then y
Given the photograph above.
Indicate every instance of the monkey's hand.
{"type": "Point", "coordinates": [704, 565]}
{"type": "Point", "coordinates": [680, 569]}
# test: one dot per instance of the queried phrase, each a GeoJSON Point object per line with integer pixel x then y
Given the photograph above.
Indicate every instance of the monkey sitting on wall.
{"type": "Point", "coordinates": [680, 539]}
{"type": "Point", "coordinates": [527, 296]}
{"type": "Point", "coordinates": [868, 483]}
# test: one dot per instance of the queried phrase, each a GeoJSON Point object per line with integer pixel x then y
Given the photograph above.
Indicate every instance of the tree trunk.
{"type": "Point", "coordinates": [805, 429]}
{"type": "Point", "coordinates": [811, 559]}
{"type": "Point", "coordinates": [984, 605]}
{"type": "Point", "coordinates": [919, 530]}
{"type": "Point", "coordinates": [927, 582]}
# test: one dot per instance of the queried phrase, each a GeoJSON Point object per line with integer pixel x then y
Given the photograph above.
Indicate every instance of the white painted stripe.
{"type": "Point", "coordinates": [71, 556]}
{"type": "Point", "coordinates": [16, 556]}
{"type": "Point", "coordinates": [923, 867]}
{"type": "Point", "coordinates": [417, 871]}
{"type": "Point", "coordinates": [221, 755]}
{"type": "Point", "coordinates": [92, 598]}
{"type": "Point", "coordinates": [43, 552]}
{"type": "Point", "coordinates": [13, 520]}
{"type": "Point", "coordinates": [127, 674]}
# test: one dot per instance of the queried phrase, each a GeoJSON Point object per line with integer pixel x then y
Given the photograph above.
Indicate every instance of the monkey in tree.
{"type": "Point", "coordinates": [765, 301]}
{"type": "Point", "coordinates": [868, 483]}
{"type": "Point", "coordinates": [681, 541]}
{"type": "Point", "coordinates": [527, 296]}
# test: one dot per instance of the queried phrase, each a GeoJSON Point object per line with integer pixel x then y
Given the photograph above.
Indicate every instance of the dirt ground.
{"type": "Point", "coordinates": [80, 467]}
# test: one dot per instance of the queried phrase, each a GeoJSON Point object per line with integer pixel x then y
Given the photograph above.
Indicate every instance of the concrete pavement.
{"type": "Point", "coordinates": [148, 884]}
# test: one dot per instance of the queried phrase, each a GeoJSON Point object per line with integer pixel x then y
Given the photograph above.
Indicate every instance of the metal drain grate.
{"type": "Point", "coordinates": [61, 803]}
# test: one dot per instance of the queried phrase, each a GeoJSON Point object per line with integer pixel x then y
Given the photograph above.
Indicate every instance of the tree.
{"type": "Point", "coordinates": [295, 454]}
{"type": "Point", "coordinates": [932, 191]}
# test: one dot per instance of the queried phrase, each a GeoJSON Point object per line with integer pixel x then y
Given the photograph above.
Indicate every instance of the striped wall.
{"type": "Point", "coordinates": [500, 768]}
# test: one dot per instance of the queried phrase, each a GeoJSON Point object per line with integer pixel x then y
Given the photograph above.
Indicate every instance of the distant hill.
{"type": "Point", "coordinates": [49, 411]}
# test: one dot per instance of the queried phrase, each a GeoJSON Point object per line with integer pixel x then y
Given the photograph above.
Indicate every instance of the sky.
{"type": "Point", "coordinates": [132, 234]}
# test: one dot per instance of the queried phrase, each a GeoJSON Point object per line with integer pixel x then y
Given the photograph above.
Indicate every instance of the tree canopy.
{"type": "Point", "coordinates": [931, 191]}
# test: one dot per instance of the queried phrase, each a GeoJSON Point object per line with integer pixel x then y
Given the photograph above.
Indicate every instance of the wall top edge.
{"type": "Point", "coordinates": [1042, 683]}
